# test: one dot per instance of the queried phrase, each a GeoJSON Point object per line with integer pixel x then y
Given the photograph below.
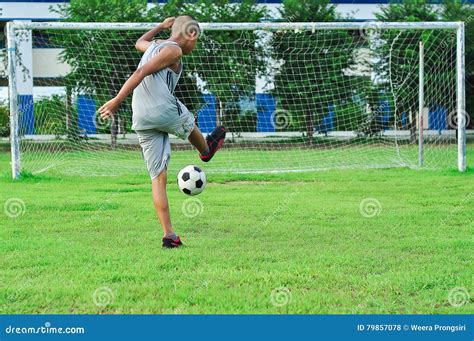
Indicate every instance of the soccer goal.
{"type": "Point", "coordinates": [293, 96]}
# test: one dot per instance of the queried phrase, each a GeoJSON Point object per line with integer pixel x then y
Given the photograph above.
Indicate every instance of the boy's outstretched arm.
{"type": "Point", "coordinates": [167, 56]}
{"type": "Point", "coordinates": [145, 40]}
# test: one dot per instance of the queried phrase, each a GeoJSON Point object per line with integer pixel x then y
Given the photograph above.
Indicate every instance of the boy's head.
{"type": "Point", "coordinates": [186, 29]}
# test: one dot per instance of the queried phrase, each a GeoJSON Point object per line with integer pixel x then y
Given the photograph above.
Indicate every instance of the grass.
{"type": "Point", "coordinates": [278, 243]}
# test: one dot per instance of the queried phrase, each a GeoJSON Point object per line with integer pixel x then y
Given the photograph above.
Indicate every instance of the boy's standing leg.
{"type": "Point", "coordinates": [156, 153]}
{"type": "Point", "coordinates": [160, 200]}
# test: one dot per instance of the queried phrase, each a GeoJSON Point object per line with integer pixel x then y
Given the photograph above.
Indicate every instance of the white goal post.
{"type": "Point", "coordinates": [389, 138]}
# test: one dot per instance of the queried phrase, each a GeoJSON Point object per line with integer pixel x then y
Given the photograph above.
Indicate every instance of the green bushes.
{"type": "Point", "coordinates": [4, 120]}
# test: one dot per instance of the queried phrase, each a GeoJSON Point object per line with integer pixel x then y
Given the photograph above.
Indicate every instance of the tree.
{"type": "Point", "coordinates": [232, 59]}
{"type": "Point", "coordinates": [311, 65]}
{"type": "Point", "coordinates": [456, 10]}
{"type": "Point", "coordinates": [401, 48]}
{"type": "Point", "coordinates": [101, 61]}
{"type": "Point", "coordinates": [407, 10]}
{"type": "Point", "coordinates": [225, 63]}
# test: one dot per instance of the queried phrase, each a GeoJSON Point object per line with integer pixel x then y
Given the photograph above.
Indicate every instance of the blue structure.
{"type": "Point", "coordinates": [327, 122]}
{"type": "Point", "coordinates": [266, 107]}
{"type": "Point", "coordinates": [437, 116]}
{"type": "Point", "coordinates": [86, 114]}
{"type": "Point", "coordinates": [27, 117]}
{"type": "Point", "coordinates": [207, 119]}
{"type": "Point", "coordinates": [404, 120]}
{"type": "Point", "coordinates": [384, 112]}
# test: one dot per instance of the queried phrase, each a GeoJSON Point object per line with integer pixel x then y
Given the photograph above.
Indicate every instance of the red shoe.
{"type": "Point", "coordinates": [214, 140]}
{"type": "Point", "coordinates": [169, 243]}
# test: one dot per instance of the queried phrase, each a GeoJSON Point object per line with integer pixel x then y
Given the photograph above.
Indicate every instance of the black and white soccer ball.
{"type": "Point", "coordinates": [191, 180]}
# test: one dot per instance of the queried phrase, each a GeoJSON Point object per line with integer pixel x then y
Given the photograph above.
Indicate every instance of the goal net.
{"type": "Point", "coordinates": [294, 97]}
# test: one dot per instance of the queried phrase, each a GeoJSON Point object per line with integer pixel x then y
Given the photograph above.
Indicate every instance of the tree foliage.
{"type": "Point", "coordinates": [309, 77]}
{"type": "Point", "coordinates": [456, 10]}
{"type": "Point", "coordinates": [407, 10]}
{"type": "Point", "coordinates": [439, 50]}
{"type": "Point", "coordinates": [307, 67]}
{"type": "Point", "coordinates": [402, 48]}
{"type": "Point", "coordinates": [227, 62]}
{"type": "Point", "coordinates": [100, 61]}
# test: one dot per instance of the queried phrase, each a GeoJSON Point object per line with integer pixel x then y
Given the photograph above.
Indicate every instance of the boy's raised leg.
{"type": "Point", "coordinates": [208, 147]}
{"type": "Point", "coordinates": [197, 140]}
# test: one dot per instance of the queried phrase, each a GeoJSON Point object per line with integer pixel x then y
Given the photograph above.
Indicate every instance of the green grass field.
{"type": "Point", "coordinates": [279, 243]}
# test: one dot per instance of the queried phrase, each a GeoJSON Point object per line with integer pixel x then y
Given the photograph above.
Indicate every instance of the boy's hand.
{"type": "Point", "coordinates": [109, 108]}
{"type": "Point", "coordinates": [167, 23]}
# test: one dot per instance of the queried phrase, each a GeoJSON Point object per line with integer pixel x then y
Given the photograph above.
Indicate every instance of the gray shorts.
{"type": "Point", "coordinates": [170, 117]}
{"type": "Point", "coordinates": [156, 150]}
{"type": "Point", "coordinates": [153, 130]}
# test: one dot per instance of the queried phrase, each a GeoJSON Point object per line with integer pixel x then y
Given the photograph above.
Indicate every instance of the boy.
{"type": "Point", "coordinates": [157, 113]}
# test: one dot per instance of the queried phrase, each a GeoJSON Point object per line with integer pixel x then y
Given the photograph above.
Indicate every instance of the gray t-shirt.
{"type": "Point", "coordinates": [153, 97]}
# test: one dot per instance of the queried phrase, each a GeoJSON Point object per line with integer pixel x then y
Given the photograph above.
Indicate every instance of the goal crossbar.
{"type": "Point", "coordinates": [245, 26]}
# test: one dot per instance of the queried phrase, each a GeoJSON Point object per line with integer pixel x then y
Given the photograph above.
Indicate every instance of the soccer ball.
{"type": "Point", "coordinates": [191, 180]}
